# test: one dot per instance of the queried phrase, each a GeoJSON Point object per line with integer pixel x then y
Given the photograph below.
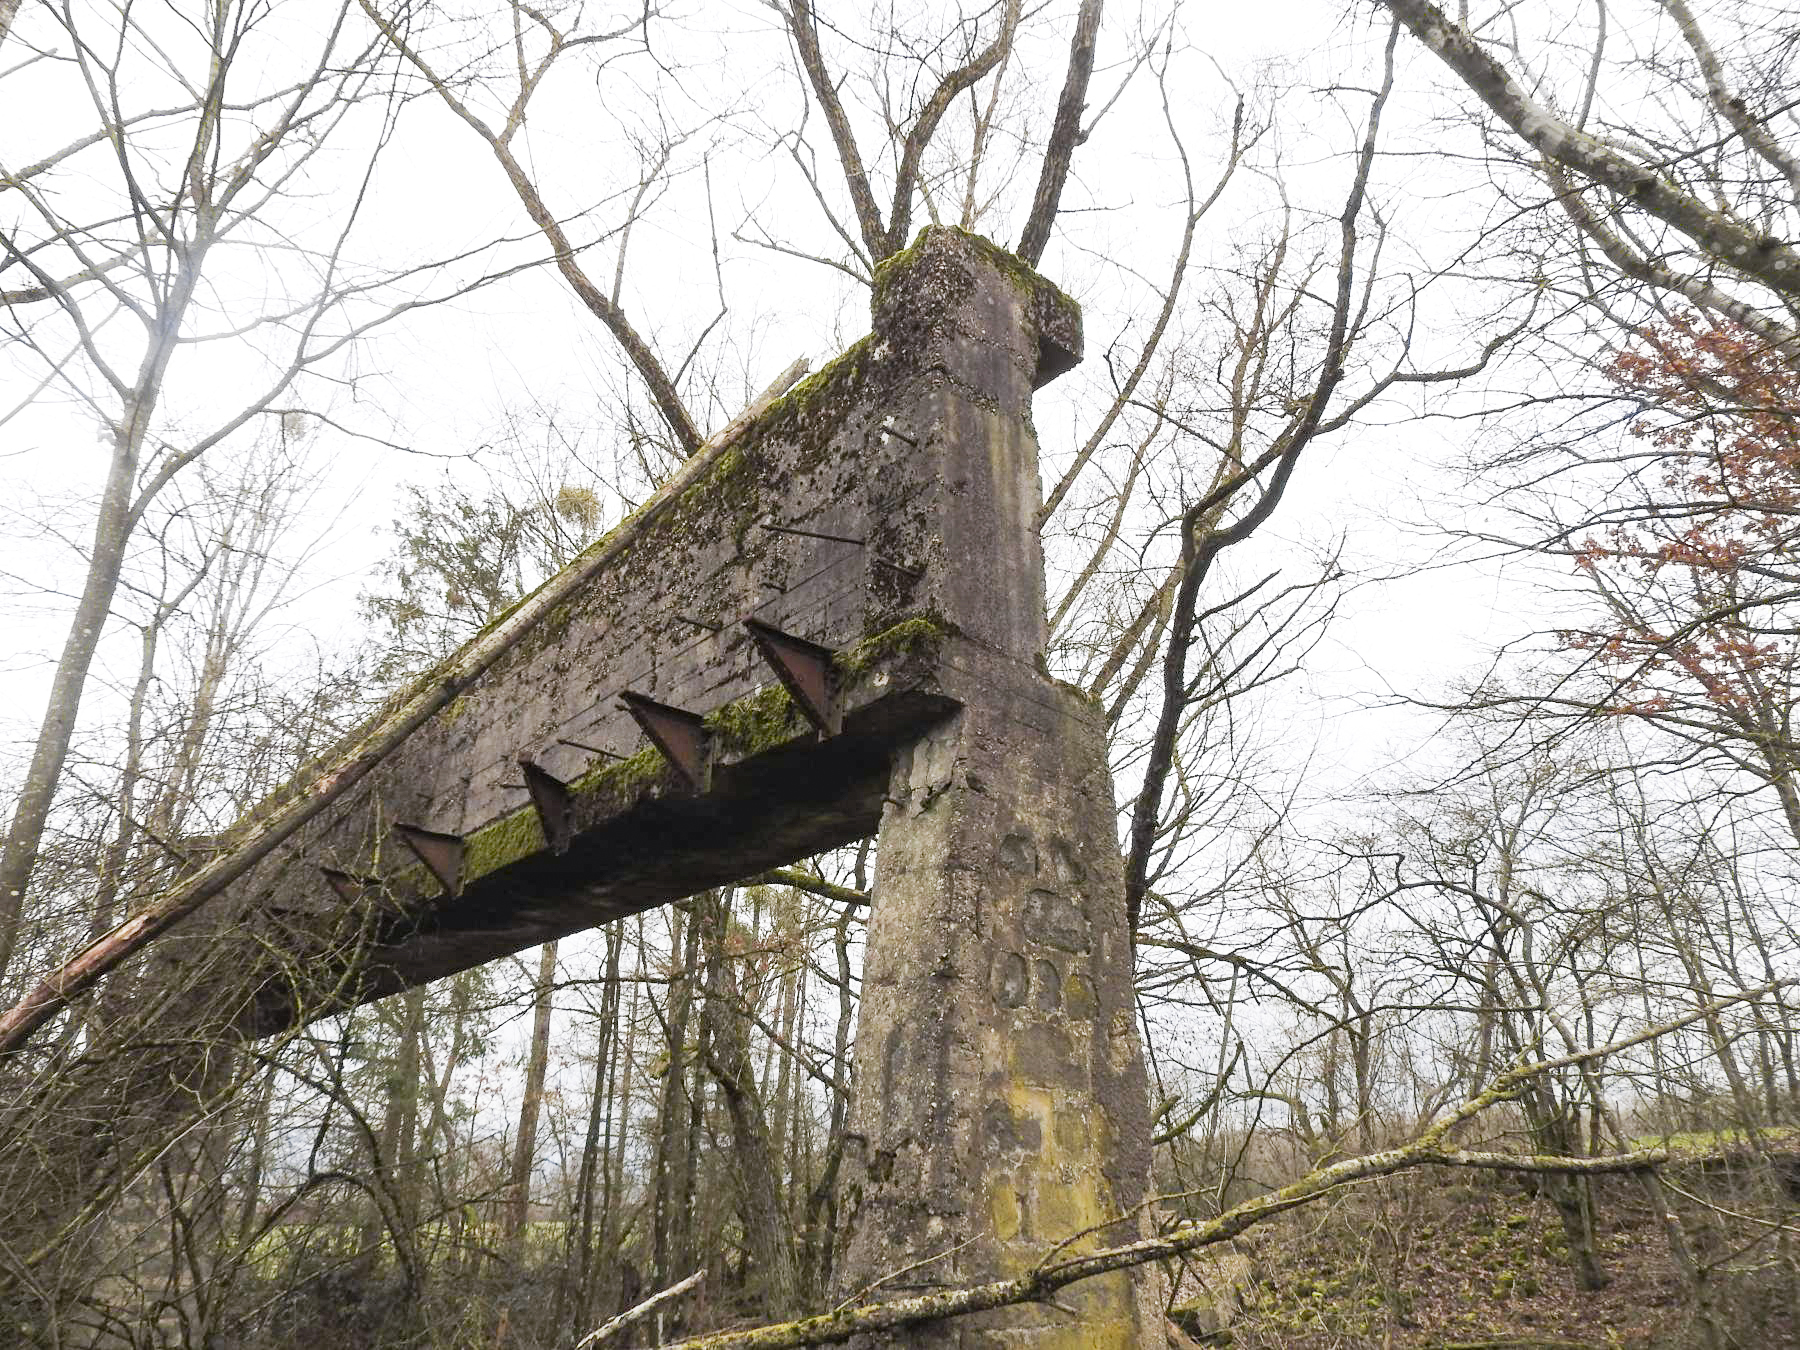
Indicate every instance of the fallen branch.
{"type": "Point", "coordinates": [607, 1330]}
{"type": "Point", "coordinates": [1035, 1286]}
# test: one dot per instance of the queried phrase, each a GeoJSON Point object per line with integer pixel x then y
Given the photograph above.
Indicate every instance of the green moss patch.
{"type": "Point", "coordinates": [762, 721]}
{"type": "Point", "coordinates": [902, 639]}
{"type": "Point", "coordinates": [745, 727]}
{"type": "Point", "coordinates": [507, 840]}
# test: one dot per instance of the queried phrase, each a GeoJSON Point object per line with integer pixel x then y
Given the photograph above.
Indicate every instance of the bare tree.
{"type": "Point", "coordinates": [104, 310]}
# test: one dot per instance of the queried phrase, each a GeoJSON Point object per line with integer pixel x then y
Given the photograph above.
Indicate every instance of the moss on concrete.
{"type": "Point", "coordinates": [758, 722]}
{"type": "Point", "coordinates": [549, 630]}
{"type": "Point", "coordinates": [623, 781]}
{"type": "Point", "coordinates": [1031, 284]}
{"type": "Point", "coordinates": [902, 639]}
{"type": "Point", "coordinates": [512, 837]}
{"type": "Point", "coordinates": [810, 414]}
{"type": "Point", "coordinates": [1090, 700]}
{"type": "Point", "coordinates": [727, 487]}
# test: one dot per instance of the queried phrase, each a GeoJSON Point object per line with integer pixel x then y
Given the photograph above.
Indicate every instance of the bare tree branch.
{"type": "Point", "coordinates": [1771, 262]}
{"type": "Point", "coordinates": [1065, 134]}
{"type": "Point", "coordinates": [862, 197]}
{"type": "Point", "coordinates": [602, 306]}
{"type": "Point", "coordinates": [926, 125]}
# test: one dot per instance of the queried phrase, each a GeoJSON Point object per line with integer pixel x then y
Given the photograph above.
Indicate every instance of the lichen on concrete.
{"type": "Point", "coordinates": [1024, 278]}
{"type": "Point", "coordinates": [922, 286]}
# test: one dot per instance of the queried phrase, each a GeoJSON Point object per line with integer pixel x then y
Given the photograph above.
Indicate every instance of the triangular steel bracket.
{"type": "Point", "coordinates": [554, 803]}
{"type": "Point", "coordinates": [805, 670]}
{"type": "Point", "coordinates": [441, 853]}
{"type": "Point", "coordinates": [680, 735]}
{"type": "Point", "coordinates": [349, 888]}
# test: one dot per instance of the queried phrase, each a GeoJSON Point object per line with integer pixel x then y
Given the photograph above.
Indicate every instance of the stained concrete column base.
{"type": "Point", "coordinates": [1001, 1109]}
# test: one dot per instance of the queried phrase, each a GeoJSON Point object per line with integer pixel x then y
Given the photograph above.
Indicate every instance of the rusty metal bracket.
{"type": "Point", "coordinates": [349, 887]}
{"type": "Point", "coordinates": [441, 853]}
{"type": "Point", "coordinates": [680, 735]}
{"type": "Point", "coordinates": [554, 803]}
{"type": "Point", "coordinates": [805, 670]}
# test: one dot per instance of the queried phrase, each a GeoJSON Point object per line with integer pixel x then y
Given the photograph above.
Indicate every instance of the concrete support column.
{"type": "Point", "coordinates": [1001, 1105]}
{"type": "Point", "coordinates": [1001, 1109]}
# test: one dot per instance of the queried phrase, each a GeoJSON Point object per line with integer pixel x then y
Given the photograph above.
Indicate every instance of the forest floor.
{"type": "Point", "coordinates": [1461, 1262]}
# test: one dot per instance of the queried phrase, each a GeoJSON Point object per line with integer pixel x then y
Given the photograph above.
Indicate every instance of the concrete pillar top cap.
{"type": "Point", "coordinates": [921, 286]}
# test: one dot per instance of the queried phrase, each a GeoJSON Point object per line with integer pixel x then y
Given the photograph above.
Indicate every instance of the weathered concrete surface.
{"type": "Point", "coordinates": [1001, 1106]}
{"type": "Point", "coordinates": [830, 518]}
{"type": "Point", "coordinates": [854, 563]}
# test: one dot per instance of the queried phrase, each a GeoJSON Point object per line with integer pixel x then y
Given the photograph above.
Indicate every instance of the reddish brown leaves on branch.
{"type": "Point", "coordinates": [1693, 575]}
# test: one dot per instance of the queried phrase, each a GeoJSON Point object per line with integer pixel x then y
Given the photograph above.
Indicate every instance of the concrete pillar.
{"type": "Point", "coordinates": [1001, 1105]}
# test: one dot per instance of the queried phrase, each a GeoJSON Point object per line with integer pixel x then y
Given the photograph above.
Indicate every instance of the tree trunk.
{"type": "Point", "coordinates": [670, 1246]}
{"type": "Point", "coordinates": [822, 1202]}
{"type": "Point", "coordinates": [618, 1137]}
{"type": "Point", "coordinates": [518, 1196]}
{"type": "Point", "coordinates": [393, 1164]}
{"type": "Point", "coordinates": [25, 837]}
{"type": "Point", "coordinates": [1551, 1128]}
{"type": "Point", "coordinates": [596, 1147]}
{"type": "Point", "coordinates": [768, 1235]}
{"type": "Point", "coordinates": [117, 516]}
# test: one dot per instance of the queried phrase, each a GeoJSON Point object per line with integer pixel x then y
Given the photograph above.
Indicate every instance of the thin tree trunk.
{"type": "Point", "coordinates": [786, 1015]}
{"type": "Point", "coordinates": [18, 858]}
{"type": "Point", "coordinates": [767, 1232]}
{"type": "Point", "coordinates": [669, 1245]}
{"type": "Point", "coordinates": [117, 516]}
{"type": "Point", "coordinates": [822, 1202]}
{"type": "Point", "coordinates": [618, 1125]}
{"type": "Point", "coordinates": [110, 1004]}
{"type": "Point", "coordinates": [1549, 1123]}
{"type": "Point", "coordinates": [693, 1069]}
{"type": "Point", "coordinates": [596, 1147]}
{"type": "Point", "coordinates": [518, 1196]}
{"type": "Point", "coordinates": [394, 1141]}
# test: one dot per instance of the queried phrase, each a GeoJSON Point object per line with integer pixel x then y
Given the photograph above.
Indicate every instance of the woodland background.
{"type": "Point", "coordinates": [1424, 516]}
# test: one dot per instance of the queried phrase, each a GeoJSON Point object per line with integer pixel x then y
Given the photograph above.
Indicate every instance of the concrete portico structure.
{"type": "Point", "coordinates": [836, 628]}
